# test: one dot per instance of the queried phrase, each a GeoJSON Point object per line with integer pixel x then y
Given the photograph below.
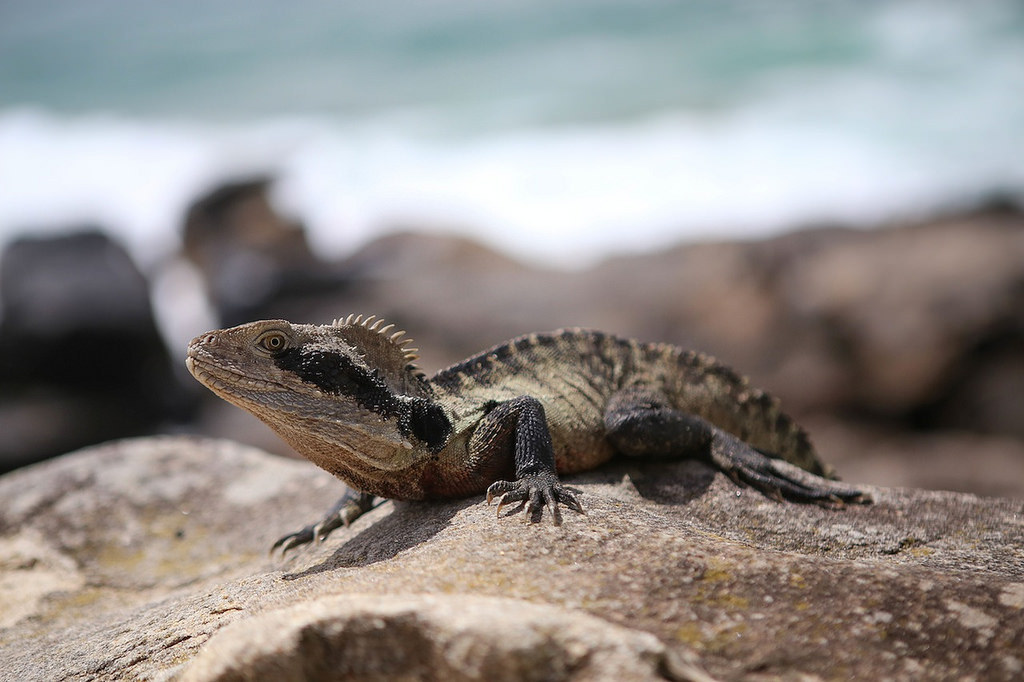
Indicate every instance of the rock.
{"type": "Point", "coordinates": [252, 259]}
{"type": "Point", "coordinates": [81, 360]}
{"type": "Point", "coordinates": [911, 304]}
{"type": "Point", "coordinates": [426, 637]}
{"type": "Point", "coordinates": [54, 286]}
{"type": "Point", "coordinates": [146, 559]}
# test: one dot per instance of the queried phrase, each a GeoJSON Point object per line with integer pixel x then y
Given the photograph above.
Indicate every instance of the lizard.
{"type": "Point", "coordinates": [506, 422]}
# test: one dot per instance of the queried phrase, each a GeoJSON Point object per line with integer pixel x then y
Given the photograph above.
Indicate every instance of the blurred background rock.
{"type": "Point", "coordinates": [827, 198]}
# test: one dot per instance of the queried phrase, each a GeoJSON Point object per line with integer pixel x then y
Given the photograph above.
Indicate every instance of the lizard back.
{"type": "Point", "coordinates": [574, 373]}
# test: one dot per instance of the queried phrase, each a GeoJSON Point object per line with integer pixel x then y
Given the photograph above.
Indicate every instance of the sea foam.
{"type": "Point", "coordinates": [557, 195]}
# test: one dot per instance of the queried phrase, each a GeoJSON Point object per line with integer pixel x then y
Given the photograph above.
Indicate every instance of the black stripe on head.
{"type": "Point", "coordinates": [426, 421]}
{"type": "Point", "coordinates": [338, 374]}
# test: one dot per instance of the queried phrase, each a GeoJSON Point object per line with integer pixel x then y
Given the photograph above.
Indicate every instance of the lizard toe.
{"type": "Point", "coordinates": [499, 489]}
{"type": "Point", "coordinates": [535, 492]}
{"type": "Point", "coordinates": [567, 496]}
{"type": "Point", "coordinates": [781, 481]}
{"type": "Point", "coordinates": [296, 539]}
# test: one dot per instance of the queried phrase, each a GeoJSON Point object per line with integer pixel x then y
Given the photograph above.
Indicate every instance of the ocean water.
{"type": "Point", "coordinates": [561, 132]}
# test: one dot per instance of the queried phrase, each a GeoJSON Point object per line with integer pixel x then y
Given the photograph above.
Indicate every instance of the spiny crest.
{"type": "Point", "coordinates": [372, 328]}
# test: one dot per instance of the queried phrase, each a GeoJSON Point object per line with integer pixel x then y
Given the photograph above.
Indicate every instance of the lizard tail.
{"type": "Point", "coordinates": [701, 385]}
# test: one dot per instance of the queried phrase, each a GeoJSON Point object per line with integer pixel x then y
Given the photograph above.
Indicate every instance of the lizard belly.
{"type": "Point", "coordinates": [581, 452]}
{"type": "Point", "coordinates": [578, 436]}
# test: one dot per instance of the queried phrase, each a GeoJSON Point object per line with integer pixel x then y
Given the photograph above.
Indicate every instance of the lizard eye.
{"type": "Point", "coordinates": [272, 342]}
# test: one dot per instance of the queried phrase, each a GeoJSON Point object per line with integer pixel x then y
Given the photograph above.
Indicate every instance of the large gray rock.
{"type": "Point", "coordinates": [147, 559]}
{"type": "Point", "coordinates": [417, 637]}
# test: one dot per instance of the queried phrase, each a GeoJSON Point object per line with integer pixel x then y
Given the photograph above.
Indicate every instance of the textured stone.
{"type": "Point", "coordinates": [426, 637]}
{"type": "Point", "coordinates": [147, 559]}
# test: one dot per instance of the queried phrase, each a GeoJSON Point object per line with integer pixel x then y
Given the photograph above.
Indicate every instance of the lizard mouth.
{"type": "Point", "coordinates": [224, 381]}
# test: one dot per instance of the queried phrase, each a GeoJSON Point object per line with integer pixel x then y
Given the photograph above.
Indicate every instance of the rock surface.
{"type": "Point", "coordinates": [147, 559]}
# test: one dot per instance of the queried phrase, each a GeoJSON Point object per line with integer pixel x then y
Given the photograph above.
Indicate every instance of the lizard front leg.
{"type": "Point", "coordinates": [518, 430]}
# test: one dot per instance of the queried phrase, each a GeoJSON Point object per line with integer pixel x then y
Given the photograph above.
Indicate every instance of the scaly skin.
{"type": "Point", "coordinates": [507, 421]}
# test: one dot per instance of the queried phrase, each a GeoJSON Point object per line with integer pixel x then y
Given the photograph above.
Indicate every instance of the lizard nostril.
{"type": "Point", "coordinates": [210, 340]}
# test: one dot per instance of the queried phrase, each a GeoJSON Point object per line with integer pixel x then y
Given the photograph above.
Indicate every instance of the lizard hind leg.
{"type": "Point", "coordinates": [641, 423]}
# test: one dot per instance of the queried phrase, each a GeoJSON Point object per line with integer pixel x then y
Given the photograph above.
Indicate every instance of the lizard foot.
{"type": "Point", "coordinates": [292, 540]}
{"type": "Point", "coordinates": [351, 506]}
{"type": "Point", "coordinates": [535, 491]}
{"type": "Point", "coordinates": [780, 480]}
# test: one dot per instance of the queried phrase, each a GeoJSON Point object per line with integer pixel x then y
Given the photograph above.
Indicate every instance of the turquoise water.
{"type": "Point", "coordinates": [561, 131]}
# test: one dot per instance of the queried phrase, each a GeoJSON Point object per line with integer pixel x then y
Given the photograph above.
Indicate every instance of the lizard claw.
{"type": "Point", "coordinates": [350, 507]}
{"type": "Point", "coordinates": [534, 492]}
{"type": "Point", "coordinates": [296, 539]}
{"type": "Point", "coordinates": [313, 534]}
{"type": "Point", "coordinates": [499, 488]}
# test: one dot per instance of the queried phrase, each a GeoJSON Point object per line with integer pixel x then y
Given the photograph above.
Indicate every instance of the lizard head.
{"type": "Point", "coordinates": [346, 390]}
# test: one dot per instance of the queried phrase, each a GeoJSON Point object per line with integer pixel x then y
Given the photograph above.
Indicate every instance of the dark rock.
{"type": "Point", "coordinates": [982, 391]}
{"type": "Point", "coordinates": [63, 285]}
{"type": "Point", "coordinates": [147, 559]}
{"type": "Point", "coordinates": [81, 360]}
{"type": "Point", "coordinates": [907, 306]}
{"type": "Point", "coordinates": [252, 259]}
